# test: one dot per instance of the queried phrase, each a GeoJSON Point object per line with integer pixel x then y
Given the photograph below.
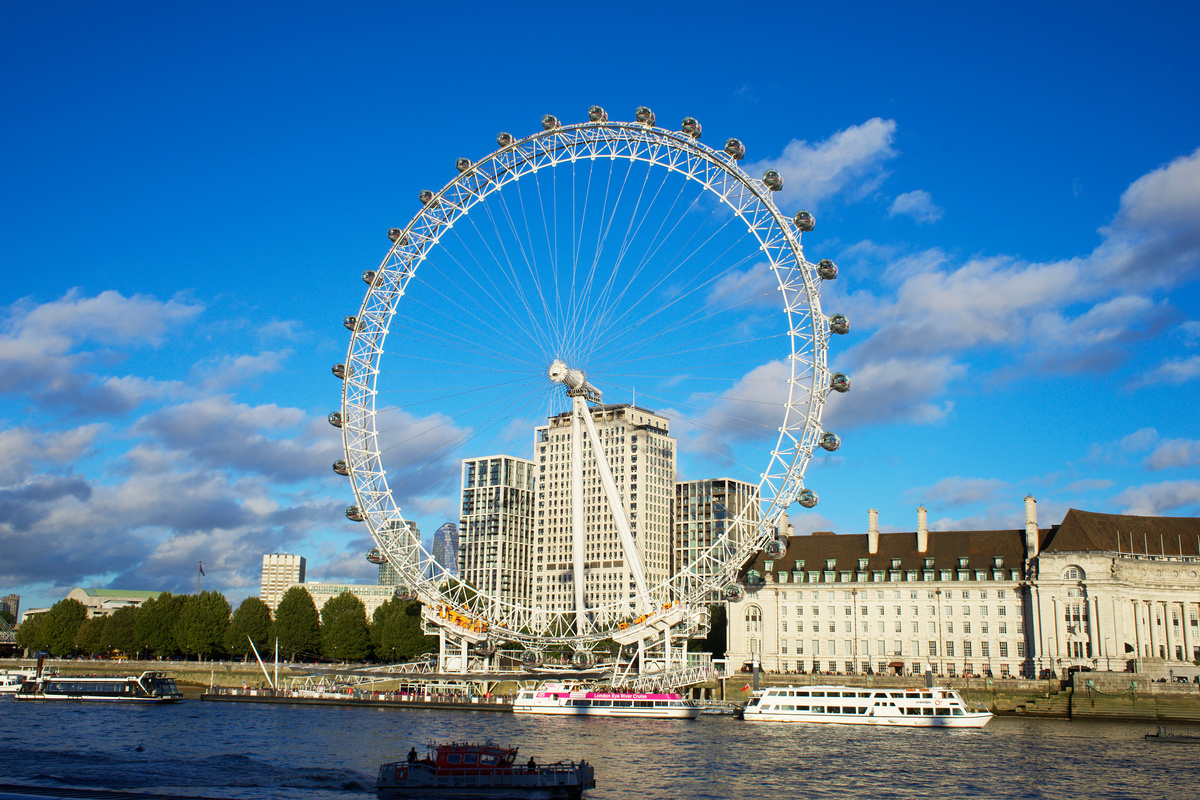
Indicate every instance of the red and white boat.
{"type": "Point", "coordinates": [462, 769]}
{"type": "Point", "coordinates": [582, 700]}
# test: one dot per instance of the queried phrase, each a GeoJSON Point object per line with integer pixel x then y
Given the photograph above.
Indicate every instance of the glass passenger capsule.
{"type": "Point", "coordinates": [804, 221]}
{"type": "Point", "coordinates": [733, 592]}
{"type": "Point", "coordinates": [839, 382]}
{"type": "Point", "coordinates": [339, 371]}
{"type": "Point", "coordinates": [353, 514]}
{"type": "Point", "coordinates": [395, 233]}
{"type": "Point", "coordinates": [644, 115]}
{"type": "Point", "coordinates": [335, 419]}
{"type": "Point", "coordinates": [376, 556]}
{"type": "Point", "coordinates": [691, 127]}
{"type": "Point", "coordinates": [597, 114]}
{"type": "Point", "coordinates": [807, 498]}
{"type": "Point", "coordinates": [773, 181]}
{"type": "Point", "coordinates": [462, 164]}
{"type": "Point", "coordinates": [583, 659]}
{"type": "Point", "coordinates": [735, 149]}
{"type": "Point", "coordinates": [531, 658]}
{"type": "Point", "coordinates": [486, 648]}
{"type": "Point", "coordinates": [774, 549]}
{"type": "Point", "coordinates": [829, 441]}
{"type": "Point", "coordinates": [826, 269]}
{"type": "Point", "coordinates": [550, 122]}
{"type": "Point", "coordinates": [369, 277]}
{"type": "Point", "coordinates": [341, 467]}
{"type": "Point", "coordinates": [426, 197]}
{"type": "Point", "coordinates": [839, 324]}
{"type": "Point", "coordinates": [350, 322]}
{"type": "Point", "coordinates": [505, 139]}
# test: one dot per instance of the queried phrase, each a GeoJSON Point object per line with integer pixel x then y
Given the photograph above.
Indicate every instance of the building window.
{"type": "Point", "coordinates": [950, 651]}
{"type": "Point", "coordinates": [1020, 649]}
{"type": "Point", "coordinates": [966, 649]}
{"type": "Point", "coordinates": [1004, 649]}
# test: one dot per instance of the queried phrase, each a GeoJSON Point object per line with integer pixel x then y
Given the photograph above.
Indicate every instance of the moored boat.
{"type": "Point", "coordinates": [462, 769]}
{"type": "Point", "coordinates": [579, 699]}
{"type": "Point", "coordinates": [149, 687]}
{"type": "Point", "coordinates": [1173, 737]}
{"type": "Point", "coordinates": [12, 679]}
{"type": "Point", "coordinates": [932, 707]}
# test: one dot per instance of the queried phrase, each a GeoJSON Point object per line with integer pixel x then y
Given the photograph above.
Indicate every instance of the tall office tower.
{"type": "Point", "coordinates": [706, 509]}
{"type": "Point", "coordinates": [280, 572]}
{"type": "Point", "coordinates": [388, 574]}
{"type": "Point", "coordinates": [445, 547]}
{"type": "Point", "coordinates": [495, 552]}
{"type": "Point", "coordinates": [641, 453]}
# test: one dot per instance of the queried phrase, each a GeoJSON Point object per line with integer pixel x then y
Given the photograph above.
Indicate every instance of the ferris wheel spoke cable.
{"type": "Point", "coordinates": [440, 337]}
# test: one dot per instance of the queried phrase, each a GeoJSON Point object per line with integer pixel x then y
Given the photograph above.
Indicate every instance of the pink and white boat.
{"type": "Point", "coordinates": [581, 699]}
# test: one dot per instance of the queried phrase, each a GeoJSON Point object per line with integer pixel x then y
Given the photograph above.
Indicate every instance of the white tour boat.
{"type": "Point", "coordinates": [581, 699]}
{"type": "Point", "coordinates": [934, 707]}
{"type": "Point", "coordinates": [149, 687]}
{"type": "Point", "coordinates": [12, 679]}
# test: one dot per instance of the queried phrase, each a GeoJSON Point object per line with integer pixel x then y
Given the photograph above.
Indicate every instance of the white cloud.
{"type": "Point", "coordinates": [959, 491]}
{"type": "Point", "coordinates": [1174, 453]}
{"type": "Point", "coordinates": [1173, 371]}
{"type": "Point", "coordinates": [1155, 499]}
{"type": "Point", "coordinates": [917, 204]}
{"type": "Point", "coordinates": [848, 163]}
{"type": "Point", "coordinates": [894, 390]}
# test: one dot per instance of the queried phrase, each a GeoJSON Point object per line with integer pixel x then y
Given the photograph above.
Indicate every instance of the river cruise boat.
{"type": "Point", "coordinates": [149, 687]}
{"type": "Point", "coordinates": [12, 679]}
{"type": "Point", "coordinates": [582, 700]}
{"type": "Point", "coordinates": [461, 769]}
{"type": "Point", "coordinates": [934, 707]}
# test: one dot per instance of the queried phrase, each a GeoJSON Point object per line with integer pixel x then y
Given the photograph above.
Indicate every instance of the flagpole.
{"type": "Point", "coordinates": [199, 572]}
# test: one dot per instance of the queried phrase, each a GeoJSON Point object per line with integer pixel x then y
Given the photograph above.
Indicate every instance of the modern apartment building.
{"type": "Point", "coordinates": [705, 511]}
{"type": "Point", "coordinates": [495, 547]}
{"type": "Point", "coordinates": [445, 547]}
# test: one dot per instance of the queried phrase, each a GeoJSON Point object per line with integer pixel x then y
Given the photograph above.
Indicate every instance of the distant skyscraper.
{"type": "Point", "coordinates": [641, 454]}
{"type": "Point", "coordinates": [704, 510]}
{"type": "Point", "coordinates": [388, 574]}
{"type": "Point", "coordinates": [280, 572]}
{"type": "Point", "coordinates": [497, 527]}
{"type": "Point", "coordinates": [445, 547]}
{"type": "Point", "coordinates": [12, 604]}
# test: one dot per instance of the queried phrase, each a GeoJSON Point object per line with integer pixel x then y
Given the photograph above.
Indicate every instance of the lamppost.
{"type": "Point", "coordinates": [941, 642]}
{"type": "Point", "coordinates": [854, 629]}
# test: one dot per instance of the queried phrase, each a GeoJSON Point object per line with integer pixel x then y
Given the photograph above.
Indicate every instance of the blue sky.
{"type": "Point", "coordinates": [1012, 195]}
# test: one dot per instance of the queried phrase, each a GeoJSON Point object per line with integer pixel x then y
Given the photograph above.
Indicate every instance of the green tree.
{"type": "Point", "coordinates": [29, 635]}
{"type": "Point", "coordinates": [8, 616]}
{"type": "Point", "coordinates": [344, 634]}
{"type": "Point", "coordinates": [297, 624]}
{"type": "Point", "coordinates": [396, 631]}
{"type": "Point", "coordinates": [202, 623]}
{"type": "Point", "coordinates": [90, 636]}
{"type": "Point", "coordinates": [155, 626]}
{"type": "Point", "coordinates": [60, 626]}
{"type": "Point", "coordinates": [251, 622]}
{"type": "Point", "coordinates": [120, 633]}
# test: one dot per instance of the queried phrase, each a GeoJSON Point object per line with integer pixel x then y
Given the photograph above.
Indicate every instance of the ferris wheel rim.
{"type": "Point", "coordinates": [508, 164]}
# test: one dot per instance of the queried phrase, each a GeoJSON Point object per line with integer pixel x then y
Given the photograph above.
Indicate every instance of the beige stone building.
{"type": "Point", "coordinates": [280, 572]}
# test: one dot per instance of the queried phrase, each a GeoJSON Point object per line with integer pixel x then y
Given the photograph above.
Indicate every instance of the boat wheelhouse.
{"type": "Point", "coordinates": [932, 707]}
{"type": "Point", "coordinates": [462, 769]}
{"type": "Point", "coordinates": [149, 687]}
{"type": "Point", "coordinates": [579, 699]}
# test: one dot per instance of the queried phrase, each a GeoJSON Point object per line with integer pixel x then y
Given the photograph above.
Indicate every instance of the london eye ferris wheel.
{"type": "Point", "coordinates": [575, 299]}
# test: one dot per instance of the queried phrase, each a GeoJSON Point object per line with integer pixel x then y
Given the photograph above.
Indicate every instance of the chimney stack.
{"type": "Point", "coordinates": [872, 531]}
{"type": "Point", "coordinates": [1031, 527]}
{"type": "Point", "coordinates": [922, 531]}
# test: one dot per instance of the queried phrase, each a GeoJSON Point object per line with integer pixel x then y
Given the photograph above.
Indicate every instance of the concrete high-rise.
{"type": "Point", "coordinates": [389, 574]}
{"type": "Point", "coordinates": [641, 454]}
{"type": "Point", "coordinates": [280, 572]}
{"type": "Point", "coordinates": [496, 545]}
{"type": "Point", "coordinates": [12, 604]}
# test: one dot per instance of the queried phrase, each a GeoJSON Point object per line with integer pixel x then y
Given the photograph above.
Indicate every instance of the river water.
{"type": "Point", "coordinates": [262, 752]}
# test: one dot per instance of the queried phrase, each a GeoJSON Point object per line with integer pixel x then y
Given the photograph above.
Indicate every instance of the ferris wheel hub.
{"type": "Point", "coordinates": [575, 380]}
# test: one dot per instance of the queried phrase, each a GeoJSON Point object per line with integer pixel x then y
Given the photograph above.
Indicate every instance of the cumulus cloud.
{"type": "Point", "coordinates": [959, 491]}
{"type": "Point", "coordinates": [1173, 371]}
{"type": "Point", "coordinates": [910, 390]}
{"type": "Point", "coordinates": [1174, 453]}
{"type": "Point", "coordinates": [917, 204]}
{"type": "Point", "coordinates": [849, 163]}
{"type": "Point", "coordinates": [1155, 499]}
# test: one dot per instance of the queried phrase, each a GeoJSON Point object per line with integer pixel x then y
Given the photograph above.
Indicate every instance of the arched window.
{"type": "Point", "coordinates": [1073, 574]}
{"type": "Point", "coordinates": [753, 619]}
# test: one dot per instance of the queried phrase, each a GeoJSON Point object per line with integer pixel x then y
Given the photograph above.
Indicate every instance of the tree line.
{"type": "Point", "coordinates": [202, 626]}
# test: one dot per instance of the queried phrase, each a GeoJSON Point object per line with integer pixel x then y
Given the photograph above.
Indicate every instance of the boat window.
{"type": "Point", "coordinates": [818, 709]}
{"type": "Point", "coordinates": [943, 712]}
{"type": "Point", "coordinates": [927, 711]}
{"type": "Point", "coordinates": [471, 758]}
{"type": "Point", "coordinates": [487, 758]}
{"type": "Point", "coordinates": [453, 758]}
{"type": "Point", "coordinates": [958, 712]}
{"type": "Point", "coordinates": [818, 694]}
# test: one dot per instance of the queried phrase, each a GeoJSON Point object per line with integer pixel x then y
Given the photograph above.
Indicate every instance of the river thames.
{"type": "Point", "coordinates": [261, 752]}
